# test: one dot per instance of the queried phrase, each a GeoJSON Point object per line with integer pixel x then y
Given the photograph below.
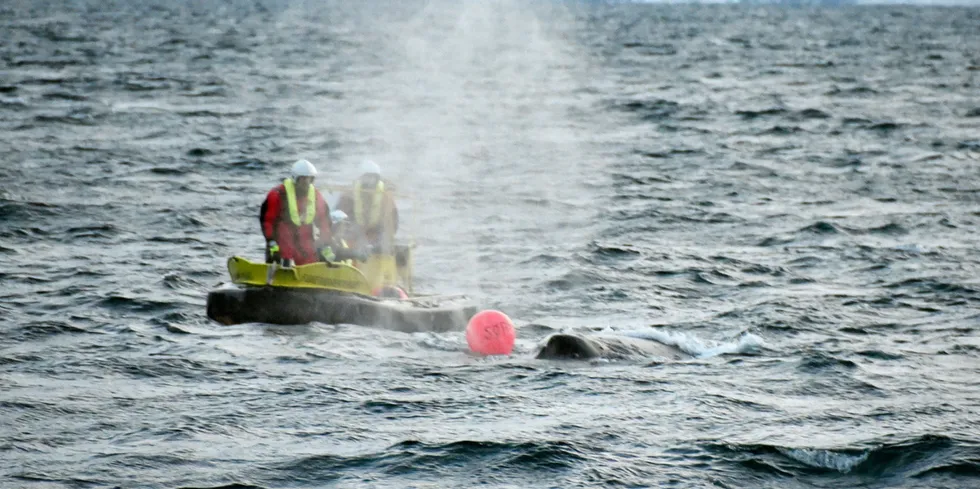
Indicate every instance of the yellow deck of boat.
{"type": "Point", "coordinates": [379, 270]}
{"type": "Point", "coordinates": [360, 278]}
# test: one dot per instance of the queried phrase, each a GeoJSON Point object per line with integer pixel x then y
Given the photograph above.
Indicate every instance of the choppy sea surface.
{"type": "Point", "coordinates": [791, 195]}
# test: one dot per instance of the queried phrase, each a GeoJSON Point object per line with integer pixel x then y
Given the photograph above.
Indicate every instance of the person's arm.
{"type": "Point", "coordinates": [270, 215]}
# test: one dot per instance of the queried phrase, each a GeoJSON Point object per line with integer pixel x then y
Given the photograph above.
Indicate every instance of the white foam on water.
{"type": "Point", "coordinates": [441, 341]}
{"type": "Point", "coordinates": [692, 345]}
{"type": "Point", "coordinates": [825, 459]}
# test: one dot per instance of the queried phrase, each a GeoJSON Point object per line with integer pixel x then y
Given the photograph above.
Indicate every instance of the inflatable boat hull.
{"type": "Point", "coordinates": [274, 305]}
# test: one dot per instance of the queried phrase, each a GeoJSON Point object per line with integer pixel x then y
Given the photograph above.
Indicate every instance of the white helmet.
{"type": "Point", "coordinates": [303, 168]}
{"type": "Point", "coordinates": [370, 167]}
{"type": "Point", "coordinates": [338, 216]}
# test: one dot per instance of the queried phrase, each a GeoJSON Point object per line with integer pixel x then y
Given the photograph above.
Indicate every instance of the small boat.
{"type": "Point", "coordinates": [377, 292]}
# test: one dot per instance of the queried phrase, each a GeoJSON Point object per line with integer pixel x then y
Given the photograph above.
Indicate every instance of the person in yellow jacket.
{"type": "Point", "coordinates": [372, 209]}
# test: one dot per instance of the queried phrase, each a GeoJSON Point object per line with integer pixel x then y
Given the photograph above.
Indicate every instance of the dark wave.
{"type": "Point", "coordinates": [175, 239]}
{"type": "Point", "coordinates": [972, 145]}
{"type": "Point", "coordinates": [40, 329]}
{"type": "Point", "coordinates": [651, 110]}
{"type": "Point", "coordinates": [63, 95]}
{"type": "Point", "coordinates": [35, 477]}
{"type": "Point", "coordinates": [880, 355]}
{"type": "Point", "coordinates": [818, 362]}
{"type": "Point", "coordinates": [79, 116]}
{"type": "Point", "coordinates": [209, 113]}
{"type": "Point", "coordinates": [810, 114]}
{"type": "Point", "coordinates": [381, 406]}
{"type": "Point", "coordinates": [138, 82]}
{"type": "Point", "coordinates": [133, 304]}
{"type": "Point", "coordinates": [543, 259]}
{"type": "Point", "coordinates": [577, 279]}
{"type": "Point", "coordinates": [822, 227]}
{"type": "Point", "coordinates": [435, 459]}
{"type": "Point", "coordinates": [13, 103]}
{"type": "Point", "coordinates": [651, 49]}
{"type": "Point", "coordinates": [159, 366]}
{"type": "Point", "coordinates": [104, 230]}
{"type": "Point", "coordinates": [177, 281]}
{"type": "Point", "coordinates": [915, 457]}
{"type": "Point", "coordinates": [884, 127]}
{"type": "Point", "coordinates": [890, 229]}
{"type": "Point", "coordinates": [931, 285]}
{"type": "Point", "coordinates": [233, 485]}
{"type": "Point", "coordinates": [860, 91]}
{"type": "Point", "coordinates": [665, 154]}
{"type": "Point", "coordinates": [28, 210]}
{"type": "Point", "coordinates": [713, 277]}
{"type": "Point", "coordinates": [200, 152]}
{"type": "Point", "coordinates": [18, 358]}
{"type": "Point", "coordinates": [612, 251]}
{"type": "Point", "coordinates": [57, 63]}
{"type": "Point", "coordinates": [249, 164]}
{"type": "Point", "coordinates": [960, 350]}
{"type": "Point", "coordinates": [781, 130]}
{"type": "Point", "coordinates": [79, 80]}
{"type": "Point", "coordinates": [212, 91]}
{"type": "Point", "coordinates": [756, 114]}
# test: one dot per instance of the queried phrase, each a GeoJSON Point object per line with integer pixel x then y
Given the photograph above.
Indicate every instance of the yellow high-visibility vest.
{"type": "Point", "coordinates": [294, 209]}
{"type": "Point", "coordinates": [375, 217]}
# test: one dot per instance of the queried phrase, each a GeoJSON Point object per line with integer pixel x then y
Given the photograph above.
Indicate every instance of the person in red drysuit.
{"type": "Point", "coordinates": [295, 231]}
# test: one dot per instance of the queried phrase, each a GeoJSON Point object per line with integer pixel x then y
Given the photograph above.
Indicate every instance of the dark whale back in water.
{"type": "Point", "coordinates": [578, 347]}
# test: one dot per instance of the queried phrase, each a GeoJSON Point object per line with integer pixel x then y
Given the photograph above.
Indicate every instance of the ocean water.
{"type": "Point", "coordinates": [790, 195]}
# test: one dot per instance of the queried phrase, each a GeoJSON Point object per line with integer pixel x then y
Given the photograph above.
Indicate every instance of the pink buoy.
{"type": "Point", "coordinates": [389, 292]}
{"type": "Point", "coordinates": [490, 333]}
